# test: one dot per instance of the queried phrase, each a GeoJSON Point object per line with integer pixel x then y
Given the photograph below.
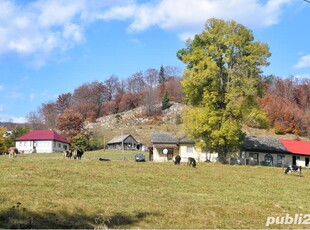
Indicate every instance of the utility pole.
{"type": "Point", "coordinates": [123, 147]}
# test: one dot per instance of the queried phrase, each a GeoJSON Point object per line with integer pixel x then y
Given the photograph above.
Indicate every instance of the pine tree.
{"type": "Point", "coordinates": [165, 102]}
{"type": "Point", "coordinates": [162, 76]}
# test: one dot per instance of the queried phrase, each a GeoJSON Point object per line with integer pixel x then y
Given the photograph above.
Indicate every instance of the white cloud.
{"type": "Point", "coordinates": [9, 118]}
{"type": "Point", "coordinates": [37, 29]}
{"type": "Point", "coordinates": [188, 17]}
{"type": "Point", "coordinates": [303, 62]}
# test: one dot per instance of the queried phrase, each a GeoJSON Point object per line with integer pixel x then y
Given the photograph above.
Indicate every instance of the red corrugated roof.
{"type": "Point", "coordinates": [297, 147]}
{"type": "Point", "coordinates": [40, 135]}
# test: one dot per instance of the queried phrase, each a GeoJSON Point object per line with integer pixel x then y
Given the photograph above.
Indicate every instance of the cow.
{"type": "Point", "coordinates": [68, 154]}
{"type": "Point", "coordinates": [191, 162]}
{"type": "Point", "coordinates": [104, 159]}
{"type": "Point", "coordinates": [290, 169]}
{"type": "Point", "coordinates": [12, 151]}
{"type": "Point", "coordinates": [77, 154]}
{"type": "Point", "coordinates": [177, 160]}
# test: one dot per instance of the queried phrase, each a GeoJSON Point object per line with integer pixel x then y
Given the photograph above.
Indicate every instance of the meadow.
{"type": "Point", "coordinates": [47, 191]}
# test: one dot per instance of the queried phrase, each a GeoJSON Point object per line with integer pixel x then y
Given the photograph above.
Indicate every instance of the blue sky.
{"type": "Point", "coordinates": [50, 47]}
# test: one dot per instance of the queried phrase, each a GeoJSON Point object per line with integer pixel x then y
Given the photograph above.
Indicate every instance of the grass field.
{"type": "Point", "coordinates": [47, 191]}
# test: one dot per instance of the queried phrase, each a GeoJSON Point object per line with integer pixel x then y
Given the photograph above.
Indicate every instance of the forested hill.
{"type": "Point", "coordinates": [285, 102]}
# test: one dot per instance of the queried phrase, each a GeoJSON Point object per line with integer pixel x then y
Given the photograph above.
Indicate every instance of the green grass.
{"type": "Point", "coordinates": [47, 191]}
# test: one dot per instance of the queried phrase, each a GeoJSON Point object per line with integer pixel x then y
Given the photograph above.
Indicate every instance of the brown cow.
{"type": "Point", "coordinates": [12, 151]}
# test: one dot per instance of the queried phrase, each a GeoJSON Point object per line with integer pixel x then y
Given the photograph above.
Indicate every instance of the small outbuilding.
{"type": "Point", "coordinates": [126, 142]}
{"type": "Point", "coordinates": [41, 141]}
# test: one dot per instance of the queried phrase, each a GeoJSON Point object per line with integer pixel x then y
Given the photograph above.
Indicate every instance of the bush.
{"type": "Point", "coordinates": [279, 128]}
{"type": "Point", "coordinates": [178, 119]}
{"type": "Point", "coordinates": [80, 141]}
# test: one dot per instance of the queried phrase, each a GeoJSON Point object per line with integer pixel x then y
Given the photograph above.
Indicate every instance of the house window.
{"type": "Point", "coordinates": [59, 145]}
{"type": "Point", "coordinates": [280, 159]}
{"type": "Point", "coordinates": [268, 159]}
{"type": "Point", "coordinates": [253, 156]}
{"type": "Point", "coordinates": [190, 149]}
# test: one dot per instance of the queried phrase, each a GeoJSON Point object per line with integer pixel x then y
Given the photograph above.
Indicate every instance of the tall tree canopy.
{"type": "Point", "coordinates": [221, 79]}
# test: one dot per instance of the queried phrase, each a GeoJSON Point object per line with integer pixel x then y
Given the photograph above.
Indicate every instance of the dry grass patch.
{"type": "Point", "coordinates": [48, 191]}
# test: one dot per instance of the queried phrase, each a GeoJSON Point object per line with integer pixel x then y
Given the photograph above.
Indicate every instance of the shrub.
{"type": "Point", "coordinates": [178, 119]}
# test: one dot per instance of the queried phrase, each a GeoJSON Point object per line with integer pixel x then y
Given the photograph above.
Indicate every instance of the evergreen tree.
{"type": "Point", "coordinates": [165, 102]}
{"type": "Point", "coordinates": [162, 76]}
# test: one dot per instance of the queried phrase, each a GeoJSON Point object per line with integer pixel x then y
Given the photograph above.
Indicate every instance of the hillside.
{"type": "Point", "coordinates": [136, 123]}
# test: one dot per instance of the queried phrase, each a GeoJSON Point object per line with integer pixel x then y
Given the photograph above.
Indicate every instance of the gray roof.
{"type": "Point", "coordinates": [119, 139]}
{"type": "Point", "coordinates": [162, 137]}
{"type": "Point", "coordinates": [186, 140]}
{"type": "Point", "coordinates": [263, 144]}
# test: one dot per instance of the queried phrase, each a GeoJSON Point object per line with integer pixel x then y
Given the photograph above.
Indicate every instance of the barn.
{"type": "Point", "coordinates": [41, 141]}
{"type": "Point", "coordinates": [126, 142]}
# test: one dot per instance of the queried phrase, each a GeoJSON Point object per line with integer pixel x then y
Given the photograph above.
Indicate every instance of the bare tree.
{"type": "Point", "coordinates": [136, 83]}
{"type": "Point", "coordinates": [151, 77]}
{"type": "Point", "coordinates": [113, 85]}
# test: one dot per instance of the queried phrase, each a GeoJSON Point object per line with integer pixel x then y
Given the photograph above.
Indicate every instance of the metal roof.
{"type": "Point", "coordinates": [42, 135]}
{"type": "Point", "coordinates": [120, 139]}
{"type": "Point", "coordinates": [162, 137]}
{"type": "Point", "coordinates": [263, 144]}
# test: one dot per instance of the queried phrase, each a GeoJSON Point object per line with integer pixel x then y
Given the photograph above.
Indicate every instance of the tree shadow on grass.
{"type": "Point", "coordinates": [18, 217]}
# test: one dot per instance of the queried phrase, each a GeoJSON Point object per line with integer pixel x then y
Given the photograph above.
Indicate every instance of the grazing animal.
{"type": "Point", "coordinates": [104, 159]}
{"type": "Point", "coordinates": [290, 169]}
{"type": "Point", "coordinates": [68, 154]}
{"type": "Point", "coordinates": [77, 154]}
{"type": "Point", "coordinates": [177, 160]}
{"type": "Point", "coordinates": [191, 162]}
{"type": "Point", "coordinates": [12, 151]}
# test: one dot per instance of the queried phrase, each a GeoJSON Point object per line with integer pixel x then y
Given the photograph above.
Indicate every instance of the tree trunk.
{"type": "Point", "coordinates": [222, 153]}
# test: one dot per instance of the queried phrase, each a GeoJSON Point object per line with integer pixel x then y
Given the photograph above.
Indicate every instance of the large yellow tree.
{"type": "Point", "coordinates": [221, 82]}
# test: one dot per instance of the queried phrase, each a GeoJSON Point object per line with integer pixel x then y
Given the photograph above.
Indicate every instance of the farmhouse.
{"type": "Point", "coordinates": [255, 150]}
{"type": "Point", "coordinates": [41, 141]}
{"type": "Point", "coordinates": [126, 142]}
{"type": "Point", "coordinates": [165, 147]}
{"type": "Point", "coordinates": [274, 152]}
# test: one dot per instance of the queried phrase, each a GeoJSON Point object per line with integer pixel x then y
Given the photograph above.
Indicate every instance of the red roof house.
{"type": "Point", "coordinates": [42, 141]}
{"type": "Point", "coordinates": [296, 147]}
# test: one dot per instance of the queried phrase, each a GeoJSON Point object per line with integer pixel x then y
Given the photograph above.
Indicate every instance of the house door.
{"type": "Point", "coordinates": [150, 154]}
{"type": "Point", "coordinates": [170, 155]}
{"type": "Point", "coordinates": [294, 160]}
{"type": "Point", "coordinates": [307, 161]}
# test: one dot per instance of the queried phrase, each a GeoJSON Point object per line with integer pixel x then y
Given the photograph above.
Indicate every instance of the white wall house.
{"type": "Point", "coordinates": [165, 147]}
{"type": "Point", "coordinates": [275, 152]}
{"type": "Point", "coordinates": [41, 141]}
